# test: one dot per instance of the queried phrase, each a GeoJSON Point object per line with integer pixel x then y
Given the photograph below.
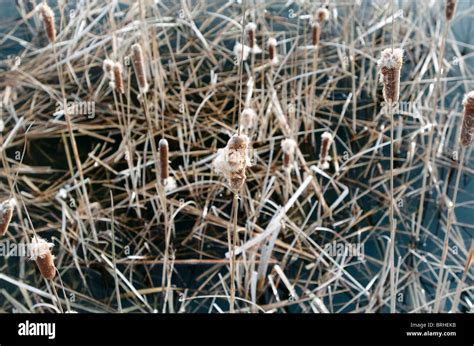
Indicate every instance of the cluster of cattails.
{"type": "Point", "coordinates": [467, 129]}
{"type": "Point", "coordinates": [272, 51]}
{"type": "Point", "coordinates": [139, 67]}
{"type": "Point", "coordinates": [6, 213]}
{"type": "Point", "coordinates": [390, 65]}
{"type": "Point", "coordinates": [250, 30]}
{"type": "Point", "coordinates": [114, 71]}
{"type": "Point", "coordinates": [48, 20]}
{"type": "Point", "coordinates": [233, 160]}
{"type": "Point", "coordinates": [324, 157]}
{"type": "Point", "coordinates": [40, 251]}
{"type": "Point", "coordinates": [288, 147]}
{"type": "Point", "coordinates": [450, 9]}
{"type": "Point", "coordinates": [168, 182]}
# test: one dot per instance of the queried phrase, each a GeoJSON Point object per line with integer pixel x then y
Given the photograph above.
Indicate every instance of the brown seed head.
{"type": "Point", "coordinates": [118, 78]}
{"type": "Point", "coordinates": [315, 33]}
{"type": "Point", "coordinates": [467, 129]}
{"type": "Point", "coordinates": [41, 253]}
{"type": "Point", "coordinates": [164, 157]}
{"type": "Point", "coordinates": [390, 64]}
{"type": "Point", "coordinates": [6, 213]}
{"type": "Point", "coordinates": [322, 14]}
{"type": "Point", "coordinates": [139, 66]}
{"type": "Point", "coordinates": [450, 9]}
{"type": "Point", "coordinates": [48, 19]}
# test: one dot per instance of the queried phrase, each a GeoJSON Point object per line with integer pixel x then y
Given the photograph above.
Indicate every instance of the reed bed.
{"type": "Point", "coordinates": [217, 156]}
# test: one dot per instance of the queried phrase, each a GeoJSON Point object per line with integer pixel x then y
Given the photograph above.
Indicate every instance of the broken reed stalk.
{"type": "Point", "coordinates": [390, 64]}
{"type": "Point", "coordinates": [466, 136]}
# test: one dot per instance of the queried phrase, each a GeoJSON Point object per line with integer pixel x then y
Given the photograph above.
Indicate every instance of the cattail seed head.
{"type": "Point", "coordinates": [315, 33]}
{"type": "Point", "coordinates": [48, 19]}
{"type": "Point", "coordinates": [241, 51]}
{"type": "Point", "coordinates": [250, 30]}
{"type": "Point", "coordinates": [6, 213]}
{"type": "Point", "coordinates": [467, 129]}
{"type": "Point", "coordinates": [232, 161]}
{"type": "Point", "coordinates": [118, 78]}
{"type": "Point", "coordinates": [322, 14]}
{"type": "Point", "coordinates": [139, 66]}
{"type": "Point", "coordinates": [108, 66]}
{"type": "Point", "coordinates": [390, 65]}
{"type": "Point", "coordinates": [40, 251]}
{"type": "Point", "coordinates": [248, 119]}
{"type": "Point", "coordinates": [326, 141]}
{"type": "Point", "coordinates": [272, 53]}
{"type": "Point", "coordinates": [288, 147]}
{"type": "Point", "coordinates": [164, 157]}
{"type": "Point", "coordinates": [450, 9]}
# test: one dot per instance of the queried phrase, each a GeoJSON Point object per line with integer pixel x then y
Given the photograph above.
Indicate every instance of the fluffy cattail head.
{"type": "Point", "coordinates": [450, 9]}
{"type": "Point", "coordinates": [118, 78]}
{"type": "Point", "coordinates": [232, 161]}
{"type": "Point", "coordinates": [390, 65]}
{"type": "Point", "coordinates": [467, 129]}
{"type": "Point", "coordinates": [326, 140]}
{"type": "Point", "coordinates": [48, 19]}
{"type": "Point", "coordinates": [288, 147]}
{"type": "Point", "coordinates": [139, 66]}
{"type": "Point", "coordinates": [322, 14]}
{"type": "Point", "coordinates": [250, 29]}
{"type": "Point", "coordinates": [315, 33]}
{"type": "Point", "coordinates": [248, 119]}
{"type": "Point", "coordinates": [6, 213]}
{"type": "Point", "coordinates": [40, 251]}
{"type": "Point", "coordinates": [241, 51]}
{"type": "Point", "coordinates": [272, 53]}
{"type": "Point", "coordinates": [108, 66]}
{"type": "Point", "coordinates": [164, 157]}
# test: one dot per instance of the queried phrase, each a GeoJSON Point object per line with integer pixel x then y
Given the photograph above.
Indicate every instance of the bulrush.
{"type": "Point", "coordinates": [450, 9]}
{"type": "Point", "coordinates": [288, 147]}
{"type": "Point", "coordinates": [139, 66]}
{"type": "Point", "coordinates": [272, 53]}
{"type": "Point", "coordinates": [118, 78]}
{"type": "Point", "coordinates": [108, 66]}
{"type": "Point", "coordinates": [6, 213]}
{"type": "Point", "coordinates": [324, 157]}
{"type": "Point", "coordinates": [467, 129]}
{"type": "Point", "coordinates": [233, 160]}
{"type": "Point", "coordinates": [250, 30]}
{"type": "Point", "coordinates": [168, 182]}
{"type": "Point", "coordinates": [40, 251]}
{"type": "Point", "coordinates": [48, 19]}
{"type": "Point", "coordinates": [315, 33]}
{"type": "Point", "coordinates": [322, 14]}
{"type": "Point", "coordinates": [241, 51]}
{"type": "Point", "coordinates": [390, 65]}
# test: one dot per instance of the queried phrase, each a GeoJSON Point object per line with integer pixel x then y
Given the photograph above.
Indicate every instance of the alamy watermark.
{"type": "Point", "coordinates": [335, 249]}
{"type": "Point", "coordinates": [86, 108]}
